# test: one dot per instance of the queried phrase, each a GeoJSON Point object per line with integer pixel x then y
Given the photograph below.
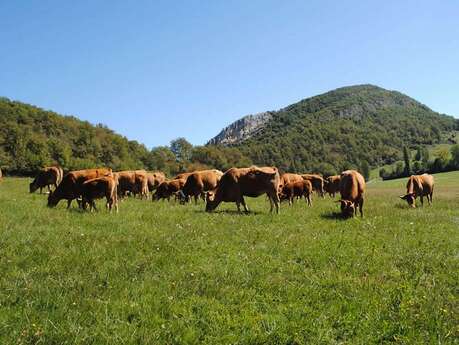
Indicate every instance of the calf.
{"type": "Point", "coordinates": [98, 188]}
{"type": "Point", "coordinates": [297, 189]}
{"type": "Point", "coordinates": [70, 187]}
{"type": "Point", "coordinates": [200, 182]}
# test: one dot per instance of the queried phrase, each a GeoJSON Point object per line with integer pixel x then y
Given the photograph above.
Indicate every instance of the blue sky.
{"type": "Point", "coordinates": [157, 70]}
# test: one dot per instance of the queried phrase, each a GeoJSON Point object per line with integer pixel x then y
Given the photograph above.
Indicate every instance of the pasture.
{"type": "Point", "coordinates": [164, 273]}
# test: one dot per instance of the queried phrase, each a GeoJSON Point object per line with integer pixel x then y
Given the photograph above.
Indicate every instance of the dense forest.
{"type": "Point", "coordinates": [348, 127]}
{"type": "Point", "coordinates": [31, 138]}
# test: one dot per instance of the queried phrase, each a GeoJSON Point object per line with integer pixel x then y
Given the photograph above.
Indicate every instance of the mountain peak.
{"type": "Point", "coordinates": [346, 125]}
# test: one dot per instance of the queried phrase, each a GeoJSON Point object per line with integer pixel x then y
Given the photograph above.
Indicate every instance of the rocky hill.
{"type": "Point", "coordinates": [338, 129]}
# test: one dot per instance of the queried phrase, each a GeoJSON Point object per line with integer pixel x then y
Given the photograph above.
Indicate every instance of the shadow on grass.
{"type": "Point", "coordinates": [333, 215]}
{"type": "Point", "coordinates": [233, 212]}
{"type": "Point", "coordinates": [79, 210]}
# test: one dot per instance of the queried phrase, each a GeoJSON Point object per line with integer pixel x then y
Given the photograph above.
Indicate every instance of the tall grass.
{"type": "Point", "coordinates": [164, 273]}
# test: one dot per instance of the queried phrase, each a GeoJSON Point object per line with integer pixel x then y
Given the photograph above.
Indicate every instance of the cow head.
{"type": "Point", "coordinates": [211, 204]}
{"type": "Point", "coordinates": [53, 200]}
{"type": "Point", "coordinates": [162, 192]}
{"type": "Point", "coordinates": [347, 208]}
{"type": "Point", "coordinates": [182, 197]}
{"type": "Point", "coordinates": [410, 199]}
{"type": "Point", "coordinates": [32, 187]}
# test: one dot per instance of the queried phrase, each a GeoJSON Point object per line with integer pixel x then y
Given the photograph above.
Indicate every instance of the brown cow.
{"type": "Point", "coordinates": [135, 182]}
{"type": "Point", "coordinates": [46, 177]}
{"type": "Point", "coordinates": [155, 179]}
{"type": "Point", "coordinates": [199, 182]}
{"type": "Point", "coordinates": [419, 185]}
{"type": "Point", "coordinates": [317, 182]}
{"type": "Point", "coordinates": [297, 189]}
{"type": "Point", "coordinates": [98, 188]}
{"type": "Point", "coordinates": [141, 182]}
{"type": "Point", "coordinates": [252, 182]}
{"type": "Point", "coordinates": [289, 177]}
{"type": "Point", "coordinates": [352, 189]}
{"type": "Point", "coordinates": [182, 176]}
{"type": "Point", "coordinates": [331, 185]}
{"type": "Point", "coordinates": [70, 187]}
{"type": "Point", "coordinates": [168, 188]}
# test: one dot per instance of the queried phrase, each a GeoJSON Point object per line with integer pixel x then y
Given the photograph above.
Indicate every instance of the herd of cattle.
{"type": "Point", "coordinates": [214, 186]}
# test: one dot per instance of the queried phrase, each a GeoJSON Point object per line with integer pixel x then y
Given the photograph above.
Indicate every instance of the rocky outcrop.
{"type": "Point", "coordinates": [242, 129]}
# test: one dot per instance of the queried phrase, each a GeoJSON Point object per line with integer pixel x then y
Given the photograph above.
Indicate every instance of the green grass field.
{"type": "Point", "coordinates": [163, 273]}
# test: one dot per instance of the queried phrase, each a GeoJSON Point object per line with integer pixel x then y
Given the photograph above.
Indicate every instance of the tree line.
{"type": "Point", "coordinates": [421, 162]}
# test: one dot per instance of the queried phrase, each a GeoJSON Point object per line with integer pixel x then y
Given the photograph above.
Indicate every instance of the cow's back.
{"type": "Point", "coordinates": [352, 185]}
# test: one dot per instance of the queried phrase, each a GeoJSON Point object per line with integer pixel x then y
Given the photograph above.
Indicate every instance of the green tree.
{"type": "Point", "coordinates": [365, 170]}
{"type": "Point", "coordinates": [455, 156]}
{"type": "Point", "coordinates": [182, 150]}
{"type": "Point", "coordinates": [399, 168]}
{"type": "Point", "coordinates": [425, 156]}
{"type": "Point", "coordinates": [418, 155]}
{"type": "Point", "coordinates": [406, 159]}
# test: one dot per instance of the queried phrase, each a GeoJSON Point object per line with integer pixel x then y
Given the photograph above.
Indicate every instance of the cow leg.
{"type": "Point", "coordinates": [422, 200]}
{"type": "Point", "coordinates": [69, 202]}
{"type": "Point", "coordinates": [196, 197]}
{"type": "Point", "coordinates": [360, 207]}
{"type": "Point", "coordinates": [238, 205]}
{"type": "Point", "coordinates": [290, 202]}
{"type": "Point", "coordinates": [307, 199]}
{"type": "Point", "coordinates": [93, 204]}
{"type": "Point", "coordinates": [431, 200]}
{"type": "Point", "coordinates": [246, 209]}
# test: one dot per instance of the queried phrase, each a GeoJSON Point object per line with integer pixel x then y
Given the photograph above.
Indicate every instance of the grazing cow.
{"type": "Point", "coordinates": [168, 188]}
{"type": "Point", "coordinates": [98, 188]}
{"type": "Point", "coordinates": [199, 182]}
{"type": "Point", "coordinates": [46, 177]}
{"type": "Point", "coordinates": [70, 187]}
{"type": "Point", "coordinates": [419, 185]}
{"type": "Point", "coordinates": [155, 179]}
{"type": "Point", "coordinates": [297, 189]}
{"type": "Point", "coordinates": [135, 182]}
{"type": "Point", "coordinates": [317, 182]}
{"type": "Point", "coordinates": [331, 185]}
{"type": "Point", "coordinates": [239, 182]}
{"type": "Point", "coordinates": [352, 188]}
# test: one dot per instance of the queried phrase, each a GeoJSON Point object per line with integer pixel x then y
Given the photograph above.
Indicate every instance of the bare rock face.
{"type": "Point", "coordinates": [241, 129]}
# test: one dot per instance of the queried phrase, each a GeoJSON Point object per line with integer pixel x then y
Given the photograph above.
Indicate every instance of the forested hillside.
{"type": "Point", "coordinates": [31, 138]}
{"type": "Point", "coordinates": [361, 127]}
{"type": "Point", "coordinates": [348, 127]}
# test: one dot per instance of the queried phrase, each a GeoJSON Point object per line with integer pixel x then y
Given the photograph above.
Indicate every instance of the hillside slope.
{"type": "Point", "coordinates": [31, 137]}
{"type": "Point", "coordinates": [339, 129]}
